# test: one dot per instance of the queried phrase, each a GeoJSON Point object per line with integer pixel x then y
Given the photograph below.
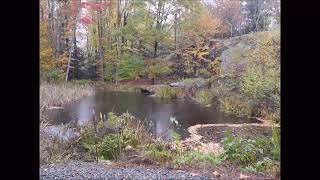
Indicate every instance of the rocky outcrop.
{"type": "Point", "coordinates": [233, 57]}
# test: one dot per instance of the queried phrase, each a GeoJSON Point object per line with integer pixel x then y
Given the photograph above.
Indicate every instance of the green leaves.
{"type": "Point", "coordinates": [158, 68]}
{"type": "Point", "coordinates": [254, 154]}
{"type": "Point", "coordinates": [198, 158]}
{"type": "Point", "coordinates": [110, 146]}
{"type": "Point", "coordinates": [130, 67]}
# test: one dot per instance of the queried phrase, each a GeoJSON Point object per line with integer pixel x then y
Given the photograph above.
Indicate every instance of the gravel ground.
{"type": "Point", "coordinates": [83, 170]}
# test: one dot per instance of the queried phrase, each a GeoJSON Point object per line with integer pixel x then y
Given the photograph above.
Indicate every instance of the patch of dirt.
{"type": "Point", "coordinates": [207, 137]}
{"type": "Point", "coordinates": [217, 133]}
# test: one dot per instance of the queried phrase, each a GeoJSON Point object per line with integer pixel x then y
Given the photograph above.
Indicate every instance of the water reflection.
{"type": "Point", "coordinates": [153, 109]}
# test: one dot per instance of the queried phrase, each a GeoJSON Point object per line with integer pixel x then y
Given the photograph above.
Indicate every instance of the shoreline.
{"type": "Point", "coordinates": [195, 136]}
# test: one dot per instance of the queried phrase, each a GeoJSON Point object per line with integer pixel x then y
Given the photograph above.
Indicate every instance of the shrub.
{"type": "Point", "coordinates": [235, 106]}
{"type": "Point", "coordinates": [157, 68]}
{"type": "Point", "coordinates": [130, 67]}
{"type": "Point", "coordinates": [51, 75]}
{"type": "Point", "coordinates": [196, 158]}
{"type": "Point", "coordinates": [110, 144]}
{"type": "Point", "coordinates": [204, 97]}
{"type": "Point", "coordinates": [258, 155]}
{"type": "Point", "coordinates": [168, 92]}
{"type": "Point", "coordinates": [261, 80]}
{"type": "Point", "coordinates": [275, 151]}
{"type": "Point", "coordinates": [159, 153]}
{"type": "Point", "coordinates": [53, 150]}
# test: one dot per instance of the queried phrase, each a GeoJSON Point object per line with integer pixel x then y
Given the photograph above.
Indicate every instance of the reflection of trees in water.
{"type": "Point", "coordinates": [153, 110]}
{"type": "Point", "coordinates": [161, 116]}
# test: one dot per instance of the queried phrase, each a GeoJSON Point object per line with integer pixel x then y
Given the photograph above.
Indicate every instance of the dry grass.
{"type": "Point", "coordinates": [61, 94]}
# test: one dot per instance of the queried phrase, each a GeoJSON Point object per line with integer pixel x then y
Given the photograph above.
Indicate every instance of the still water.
{"type": "Point", "coordinates": [153, 109]}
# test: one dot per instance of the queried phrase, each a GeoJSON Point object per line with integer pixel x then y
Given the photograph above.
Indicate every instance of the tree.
{"type": "Point", "coordinates": [258, 13]}
{"type": "Point", "coordinates": [75, 8]}
{"type": "Point", "coordinates": [159, 10]}
{"type": "Point", "coordinates": [229, 12]}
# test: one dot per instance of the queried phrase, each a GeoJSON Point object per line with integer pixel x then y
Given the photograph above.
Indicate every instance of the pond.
{"type": "Point", "coordinates": [153, 109]}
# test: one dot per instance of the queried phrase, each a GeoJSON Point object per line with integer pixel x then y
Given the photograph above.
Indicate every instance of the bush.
{"type": "Point", "coordinates": [235, 105]}
{"type": "Point", "coordinates": [157, 69]}
{"type": "Point", "coordinates": [160, 156]}
{"type": "Point", "coordinates": [275, 151]}
{"type": "Point", "coordinates": [196, 158]}
{"type": "Point", "coordinates": [159, 152]}
{"type": "Point", "coordinates": [168, 92]}
{"type": "Point", "coordinates": [204, 97]}
{"type": "Point", "coordinates": [258, 155]}
{"type": "Point", "coordinates": [52, 149]}
{"type": "Point", "coordinates": [130, 67]}
{"type": "Point", "coordinates": [51, 75]}
{"type": "Point", "coordinates": [110, 144]}
{"type": "Point", "coordinates": [261, 80]}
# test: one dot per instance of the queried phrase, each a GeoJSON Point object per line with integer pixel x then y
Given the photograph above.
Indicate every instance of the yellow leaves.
{"type": "Point", "coordinates": [48, 62]}
{"type": "Point", "coordinates": [206, 26]}
{"type": "Point", "coordinates": [201, 27]}
{"type": "Point", "coordinates": [215, 66]}
{"type": "Point", "coordinates": [200, 55]}
{"type": "Point", "coordinates": [267, 51]}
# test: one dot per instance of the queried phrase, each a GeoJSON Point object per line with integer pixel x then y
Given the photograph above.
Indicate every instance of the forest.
{"type": "Point", "coordinates": [187, 88]}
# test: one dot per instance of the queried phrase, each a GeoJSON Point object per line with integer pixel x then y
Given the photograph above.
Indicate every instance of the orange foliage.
{"type": "Point", "coordinates": [47, 61]}
{"type": "Point", "coordinates": [204, 28]}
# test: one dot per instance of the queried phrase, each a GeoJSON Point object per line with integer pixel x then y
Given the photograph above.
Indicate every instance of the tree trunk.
{"type": "Point", "coordinates": [155, 49]}
{"type": "Point", "coordinates": [72, 42]}
{"type": "Point", "coordinates": [109, 43]}
{"type": "Point", "coordinates": [101, 45]}
{"type": "Point", "coordinates": [117, 63]}
{"type": "Point", "coordinates": [51, 26]}
{"type": "Point", "coordinates": [59, 33]}
{"type": "Point", "coordinates": [175, 31]}
{"type": "Point", "coordinates": [158, 26]}
{"type": "Point", "coordinates": [118, 42]}
{"type": "Point", "coordinates": [68, 67]}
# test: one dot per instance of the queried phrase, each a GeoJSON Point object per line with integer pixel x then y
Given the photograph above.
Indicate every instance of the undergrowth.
{"type": "Point", "coordinates": [255, 155]}
{"type": "Point", "coordinates": [171, 93]}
